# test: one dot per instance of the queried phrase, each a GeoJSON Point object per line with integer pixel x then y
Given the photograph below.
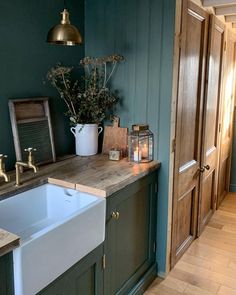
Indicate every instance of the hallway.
{"type": "Point", "coordinates": [209, 265]}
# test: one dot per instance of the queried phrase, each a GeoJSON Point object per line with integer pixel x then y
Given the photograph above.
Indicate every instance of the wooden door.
{"type": "Point", "coordinates": [210, 140]}
{"type": "Point", "coordinates": [188, 127]}
{"type": "Point", "coordinates": [226, 118]}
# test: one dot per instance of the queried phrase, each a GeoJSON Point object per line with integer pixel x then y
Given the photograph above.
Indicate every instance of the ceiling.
{"type": "Point", "coordinates": [226, 8]}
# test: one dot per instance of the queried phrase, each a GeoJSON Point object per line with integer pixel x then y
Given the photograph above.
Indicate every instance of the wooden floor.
{"type": "Point", "coordinates": [209, 265]}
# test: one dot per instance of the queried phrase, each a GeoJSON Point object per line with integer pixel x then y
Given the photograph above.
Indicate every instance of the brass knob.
{"type": "Point", "coordinates": [201, 169]}
{"type": "Point", "coordinates": [115, 215]}
{"type": "Point", "coordinates": [207, 167]}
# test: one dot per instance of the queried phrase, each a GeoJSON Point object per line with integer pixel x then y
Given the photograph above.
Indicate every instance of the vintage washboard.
{"type": "Point", "coordinates": [31, 127]}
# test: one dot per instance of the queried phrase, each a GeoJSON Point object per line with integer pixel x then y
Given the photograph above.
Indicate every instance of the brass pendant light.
{"type": "Point", "coordinates": [64, 33]}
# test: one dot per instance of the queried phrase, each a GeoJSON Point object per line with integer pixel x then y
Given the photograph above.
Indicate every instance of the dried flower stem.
{"type": "Point", "coordinates": [112, 71]}
{"type": "Point", "coordinates": [91, 101]}
{"type": "Point", "coordinates": [70, 100]}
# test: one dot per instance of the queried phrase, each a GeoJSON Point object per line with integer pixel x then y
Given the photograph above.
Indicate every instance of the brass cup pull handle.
{"type": "Point", "coordinates": [207, 167]}
{"type": "Point", "coordinates": [115, 215]}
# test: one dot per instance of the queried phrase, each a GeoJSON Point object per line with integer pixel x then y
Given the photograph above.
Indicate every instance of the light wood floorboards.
{"type": "Point", "coordinates": [209, 265]}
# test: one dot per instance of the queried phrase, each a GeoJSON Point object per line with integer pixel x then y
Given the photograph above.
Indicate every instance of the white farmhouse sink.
{"type": "Point", "coordinates": [57, 227]}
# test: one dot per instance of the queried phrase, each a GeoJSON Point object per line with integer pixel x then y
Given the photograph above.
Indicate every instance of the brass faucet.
{"type": "Point", "coordinates": [30, 164]}
{"type": "Point", "coordinates": [3, 169]}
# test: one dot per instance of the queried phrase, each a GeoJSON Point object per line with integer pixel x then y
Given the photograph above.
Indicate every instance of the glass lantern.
{"type": "Point", "coordinates": [140, 144]}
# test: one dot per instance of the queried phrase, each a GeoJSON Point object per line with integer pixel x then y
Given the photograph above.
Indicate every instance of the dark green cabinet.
{"type": "Point", "coordinates": [125, 263]}
{"type": "Point", "coordinates": [6, 275]}
{"type": "Point", "coordinates": [130, 238]}
{"type": "Point", "coordinates": [84, 278]}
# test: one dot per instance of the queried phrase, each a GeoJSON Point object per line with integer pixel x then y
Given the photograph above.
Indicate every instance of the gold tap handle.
{"type": "Point", "coordinates": [2, 162]}
{"type": "Point", "coordinates": [3, 156]}
{"type": "Point", "coordinates": [30, 150]}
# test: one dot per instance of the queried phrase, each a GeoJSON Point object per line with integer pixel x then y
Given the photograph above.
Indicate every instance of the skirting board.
{"type": "Point", "coordinates": [145, 282]}
{"type": "Point", "coordinates": [162, 274]}
{"type": "Point", "coordinates": [232, 188]}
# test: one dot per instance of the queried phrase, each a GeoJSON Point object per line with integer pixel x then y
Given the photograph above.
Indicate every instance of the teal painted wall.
{"type": "Point", "coordinates": [143, 31]}
{"type": "Point", "coordinates": [232, 187]}
{"type": "Point", "coordinates": [25, 58]}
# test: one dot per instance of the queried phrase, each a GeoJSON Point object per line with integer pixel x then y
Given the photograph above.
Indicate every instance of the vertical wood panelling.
{"type": "Point", "coordinates": [130, 74]}
{"type": "Point", "coordinates": [131, 28]}
{"type": "Point", "coordinates": [154, 76]}
{"type": "Point", "coordinates": [142, 55]}
{"type": "Point", "coordinates": [142, 31]}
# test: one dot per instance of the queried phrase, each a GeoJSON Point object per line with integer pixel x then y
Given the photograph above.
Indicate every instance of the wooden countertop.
{"type": "Point", "coordinates": [95, 174]}
{"type": "Point", "coordinates": [8, 242]}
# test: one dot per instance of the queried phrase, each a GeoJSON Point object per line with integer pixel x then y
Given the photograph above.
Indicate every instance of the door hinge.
{"type": "Point", "coordinates": [104, 261]}
{"type": "Point", "coordinates": [156, 188]}
{"type": "Point", "coordinates": [219, 127]}
{"type": "Point", "coordinates": [180, 40]}
{"type": "Point", "coordinates": [173, 145]}
{"type": "Point", "coordinates": [154, 247]}
{"type": "Point", "coordinates": [225, 46]}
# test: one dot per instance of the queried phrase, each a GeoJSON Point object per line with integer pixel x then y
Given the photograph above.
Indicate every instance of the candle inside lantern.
{"type": "Point", "coordinates": [137, 155]}
{"type": "Point", "coordinates": [145, 151]}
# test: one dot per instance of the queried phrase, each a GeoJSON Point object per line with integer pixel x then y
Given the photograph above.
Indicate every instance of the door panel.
{"type": "Point", "coordinates": [210, 146]}
{"type": "Point", "coordinates": [84, 277]}
{"type": "Point", "coordinates": [188, 127]}
{"type": "Point", "coordinates": [185, 226]}
{"type": "Point", "coordinates": [222, 185]}
{"type": "Point", "coordinates": [134, 212]}
{"type": "Point", "coordinates": [190, 107]}
{"type": "Point", "coordinates": [226, 118]}
{"type": "Point", "coordinates": [207, 204]}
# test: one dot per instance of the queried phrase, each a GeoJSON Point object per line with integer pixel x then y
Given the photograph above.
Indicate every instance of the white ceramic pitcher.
{"type": "Point", "coordinates": [86, 139]}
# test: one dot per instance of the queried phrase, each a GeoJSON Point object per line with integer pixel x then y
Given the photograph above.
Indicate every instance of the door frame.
{"type": "Point", "coordinates": [176, 60]}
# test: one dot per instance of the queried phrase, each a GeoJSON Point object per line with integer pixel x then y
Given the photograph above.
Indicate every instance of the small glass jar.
{"type": "Point", "coordinates": [140, 144]}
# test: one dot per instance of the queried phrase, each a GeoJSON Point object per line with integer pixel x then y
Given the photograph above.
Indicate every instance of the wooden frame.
{"type": "Point", "coordinates": [26, 113]}
{"type": "Point", "coordinates": [173, 124]}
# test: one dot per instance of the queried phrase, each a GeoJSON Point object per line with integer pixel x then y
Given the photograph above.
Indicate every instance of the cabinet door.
{"type": "Point", "coordinates": [130, 236]}
{"type": "Point", "coordinates": [6, 275]}
{"type": "Point", "coordinates": [84, 278]}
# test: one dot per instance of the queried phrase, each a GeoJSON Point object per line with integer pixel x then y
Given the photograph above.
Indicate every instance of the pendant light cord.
{"type": "Point", "coordinates": [64, 4]}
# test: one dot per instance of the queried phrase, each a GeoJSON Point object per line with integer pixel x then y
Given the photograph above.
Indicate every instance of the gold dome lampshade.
{"type": "Point", "coordinates": [64, 33]}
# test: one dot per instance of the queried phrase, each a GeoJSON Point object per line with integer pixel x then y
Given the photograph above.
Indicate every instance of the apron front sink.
{"type": "Point", "coordinates": [57, 227]}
